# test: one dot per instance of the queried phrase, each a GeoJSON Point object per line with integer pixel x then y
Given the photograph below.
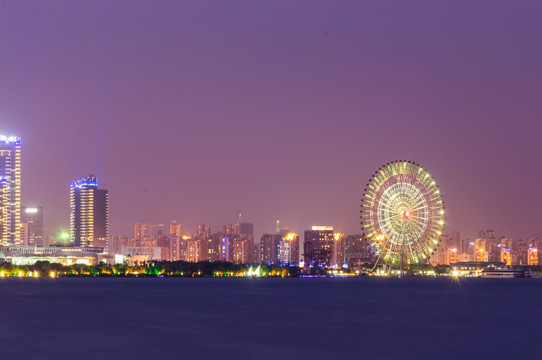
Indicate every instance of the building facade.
{"type": "Point", "coordinates": [246, 229]}
{"type": "Point", "coordinates": [32, 225]}
{"type": "Point", "coordinates": [318, 246]}
{"type": "Point", "coordinates": [89, 213]}
{"type": "Point", "coordinates": [288, 251]}
{"type": "Point", "coordinates": [10, 190]}
{"type": "Point", "coordinates": [270, 248]}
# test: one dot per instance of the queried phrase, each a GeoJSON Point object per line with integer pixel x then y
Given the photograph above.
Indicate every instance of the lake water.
{"type": "Point", "coordinates": [361, 318]}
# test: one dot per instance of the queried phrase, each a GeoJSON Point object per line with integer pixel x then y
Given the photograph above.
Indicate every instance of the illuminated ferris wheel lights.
{"type": "Point", "coordinates": [402, 202]}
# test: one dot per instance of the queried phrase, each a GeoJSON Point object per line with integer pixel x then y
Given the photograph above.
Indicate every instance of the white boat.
{"type": "Point", "coordinates": [502, 274]}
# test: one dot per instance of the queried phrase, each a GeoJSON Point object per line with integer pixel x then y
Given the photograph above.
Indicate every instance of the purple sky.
{"type": "Point", "coordinates": [282, 109]}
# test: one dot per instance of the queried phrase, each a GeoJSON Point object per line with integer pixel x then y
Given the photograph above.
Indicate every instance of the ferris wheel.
{"type": "Point", "coordinates": [402, 213]}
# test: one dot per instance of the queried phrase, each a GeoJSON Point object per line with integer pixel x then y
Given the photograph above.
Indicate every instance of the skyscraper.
{"type": "Point", "coordinates": [89, 213]}
{"type": "Point", "coordinates": [32, 221]}
{"type": "Point", "coordinates": [10, 190]}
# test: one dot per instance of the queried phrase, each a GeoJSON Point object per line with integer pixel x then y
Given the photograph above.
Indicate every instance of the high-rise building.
{"type": "Point", "coordinates": [225, 248]}
{"type": "Point", "coordinates": [246, 229]}
{"type": "Point", "coordinates": [243, 249]}
{"type": "Point", "coordinates": [480, 250]}
{"type": "Point", "coordinates": [270, 248]}
{"type": "Point", "coordinates": [520, 248]}
{"type": "Point", "coordinates": [288, 252]}
{"type": "Point", "coordinates": [194, 250]}
{"type": "Point", "coordinates": [338, 258]}
{"type": "Point", "coordinates": [4, 208]}
{"type": "Point", "coordinates": [229, 229]}
{"type": "Point", "coordinates": [357, 249]}
{"type": "Point", "coordinates": [175, 229]}
{"type": "Point", "coordinates": [532, 257]}
{"type": "Point", "coordinates": [144, 236]}
{"type": "Point", "coordinates": [32, 220]}
{"type": "Point", "coordinates": [506, 256]}
{"type": "Point", "coordinates": [10, 190]}
{"type": "Point", "coordinates": [89, 213]}
{"type": "Point", "coordinates": [318, 246]}
{"type": "Point", "coordinates": [213, 247]}
{"type": "Point", "coordinates": [204, 231]}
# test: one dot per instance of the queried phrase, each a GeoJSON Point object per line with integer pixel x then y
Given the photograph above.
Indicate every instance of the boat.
{"type": "Point", "coordinates": [502, 274]}
{"type": "Point", "coordinates": [508, 274]}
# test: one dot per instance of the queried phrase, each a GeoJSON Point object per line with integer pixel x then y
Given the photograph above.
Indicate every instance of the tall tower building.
{"type": "Point", "coordinates": [10, 190]}
{"type": "Point", "coordinates": [270, 248]}
{"type": "Point", "coordinates": [175, 229]}
{"type": "Point", "coordinates": [289, 249]}
{"type": "Point", "coordinates": [89, 213]}
{"type": "Point", "coordinates": [32, 223]}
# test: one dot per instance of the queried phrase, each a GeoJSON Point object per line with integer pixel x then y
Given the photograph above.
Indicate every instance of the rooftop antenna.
{"type": "Point", "coordinates": [277, 226]}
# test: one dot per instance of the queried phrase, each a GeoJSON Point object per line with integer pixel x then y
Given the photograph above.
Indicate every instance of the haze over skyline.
{"type": "Point", "coordinates": [192, 111]}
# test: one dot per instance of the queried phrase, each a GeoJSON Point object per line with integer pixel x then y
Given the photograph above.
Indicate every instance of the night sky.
{"type": "Point", "coordinates": [194, 110]}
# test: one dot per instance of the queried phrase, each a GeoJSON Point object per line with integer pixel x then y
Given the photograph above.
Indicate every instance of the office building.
{"type": "Point", "coordinates": [89, 213]}
{"type": "Point", "coordinates": [318, 246]}
{"type": "Point", "coordinates": [10, 190]}
{"type": "Point", "coordinates": [32, 225]}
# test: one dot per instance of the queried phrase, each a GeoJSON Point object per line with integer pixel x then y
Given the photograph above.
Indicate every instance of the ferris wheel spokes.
{"type": "Point", "coordinates": [403, 205]}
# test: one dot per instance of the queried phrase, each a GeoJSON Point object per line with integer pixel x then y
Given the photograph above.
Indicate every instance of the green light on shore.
{"type": "Point", "coordinates": [64, 235]}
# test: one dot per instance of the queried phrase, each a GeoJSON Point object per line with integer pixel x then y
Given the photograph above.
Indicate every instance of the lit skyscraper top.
{"type": "Point", "coordinates": [10, 190]}
{"type": "Point", "coordinates": [89, 213]}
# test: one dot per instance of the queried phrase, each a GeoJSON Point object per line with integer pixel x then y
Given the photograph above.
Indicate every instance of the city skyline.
{"type": "Point", "coordinates": [91, 182]}
{"type": "Point", "coordinates": [281, 112]}
{"type": "Point", "coordinates": [402, 207]}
